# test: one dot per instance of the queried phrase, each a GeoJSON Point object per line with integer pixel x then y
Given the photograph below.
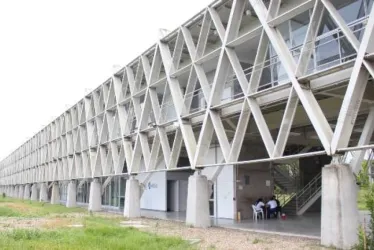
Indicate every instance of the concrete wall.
{"type": "Point", "coordinates": [312, 166]}
{"type": "Point", "coordinates": [260, 185]}
{"type": "Point", "coordinates": [183, 191]}
{"type": "Point", "coordinates": [179, 175]}
{"type": "Point", "coordinates": [177, 193]}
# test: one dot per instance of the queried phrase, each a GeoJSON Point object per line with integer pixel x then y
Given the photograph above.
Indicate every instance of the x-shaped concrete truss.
{"type": "Point", "coordinates": [124, 125]}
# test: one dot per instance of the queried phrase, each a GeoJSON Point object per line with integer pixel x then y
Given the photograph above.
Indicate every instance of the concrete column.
{"type": "Point", "coordinates": [20, 191]}
{"type": "Point", "coordinates": [26, 192]}
{"type": "Point", "coordinates": [55, 196]}
{"type": "Point", "coordinates": [339, 218]}
{"type": "Point", "coordinates": [71, 200]}
{"type": "Point", "coordinates": [34, 192]}
{"type": "Point", "coordinates": [132, 198]}
{"type": "Point", "coordinates": [198, 201]}
{"type": "Point", "coordinates": [95, 196]}
{"type": "Point", "coordinates": [43, 192]}
{"type": "Point", "coordinates": [16, 192]}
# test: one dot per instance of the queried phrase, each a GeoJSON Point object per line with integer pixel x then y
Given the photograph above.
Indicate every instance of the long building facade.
{"type": "Point", "coordinates": [245, 99]}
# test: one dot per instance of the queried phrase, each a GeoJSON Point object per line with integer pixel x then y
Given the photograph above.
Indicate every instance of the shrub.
{"type": "Point", "coordinates": [363, 175]}
{"type": "Point", "coordinates": [366, 235]}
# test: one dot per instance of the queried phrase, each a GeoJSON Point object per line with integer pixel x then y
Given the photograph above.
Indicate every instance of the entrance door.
{"type": "Point", "coordinates": [172, 195]}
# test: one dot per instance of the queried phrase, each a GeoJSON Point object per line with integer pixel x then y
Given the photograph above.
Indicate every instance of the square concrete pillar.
{"type": "Point", "coordinates": [20, 191]}
{"type": "Point", "coordinates": [55, 196]}
{"type": "Point", "coordinates": [16, 192]}
{"type": "Point", "coordinates": [71, 200]}
{"type": "Point", "coordinates": [43, 197]}
{"type": "Point", "coordinates": [198, 201]}
{"type": "Point", "coordinates": [26, 192]}
{"type": "Point", "coordinates": [95, 196]}
{"type": "Point", "coordinates": [34, 192]}
{"type": "Point", "coordinates": [132, 198]}
{"type": "Point", "coordinates": [339, 218]}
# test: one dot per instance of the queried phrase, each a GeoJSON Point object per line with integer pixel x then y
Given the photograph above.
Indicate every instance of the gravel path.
{"type": "Point", "coordinates": [221, 238]}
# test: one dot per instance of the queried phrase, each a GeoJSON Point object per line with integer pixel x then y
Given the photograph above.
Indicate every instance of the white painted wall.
{"type": "Point", "coordinates": [154, 196]}
{"type": "Point", "coordinates": [225, 193]}
{"type": "Point", "coordinates": [224, 184]}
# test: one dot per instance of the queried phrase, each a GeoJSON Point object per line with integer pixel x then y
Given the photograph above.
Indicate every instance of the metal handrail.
{"type": "Point", "coordinates": [309, 198]}
{"type": "Point", "coordinates": [311, 188]}
{"type": "Point", "coordinates": [292, 167]}
{"type": "Point", "coordinates": [284, 198]}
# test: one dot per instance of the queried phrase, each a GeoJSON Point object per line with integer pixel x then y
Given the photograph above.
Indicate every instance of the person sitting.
{"type": "Point", "coordinates": [279, 208]}
{"type": "Point", "coordinates": [271, 207]}
{"type": "Point", "coordinates": [259, 204]}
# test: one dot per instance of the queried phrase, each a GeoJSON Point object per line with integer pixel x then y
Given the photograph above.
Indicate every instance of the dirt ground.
{"type": "Point", "coordinates": [221, 238]}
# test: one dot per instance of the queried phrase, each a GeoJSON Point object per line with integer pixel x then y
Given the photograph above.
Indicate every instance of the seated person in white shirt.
{"type": "Point", "coordinates": [259, 205]}
{"type": "Point", "coordinates": [271, 207]}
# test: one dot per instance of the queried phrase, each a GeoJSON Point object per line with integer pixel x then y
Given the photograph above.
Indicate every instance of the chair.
{"type": "Point", "coordinates": [256, 213]}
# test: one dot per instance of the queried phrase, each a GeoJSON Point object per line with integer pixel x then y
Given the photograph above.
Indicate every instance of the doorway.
{"type": "Point", "coordinates": [177, 195]}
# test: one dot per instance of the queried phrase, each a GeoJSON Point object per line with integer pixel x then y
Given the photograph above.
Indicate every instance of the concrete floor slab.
{"type": "Point", "coordinates": [307, 226]}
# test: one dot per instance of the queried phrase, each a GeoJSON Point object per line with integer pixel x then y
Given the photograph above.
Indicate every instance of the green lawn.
{"type": "Point", "coordinates": [96, 232]}
{"type": "Point", "coordinates": [10, 207]}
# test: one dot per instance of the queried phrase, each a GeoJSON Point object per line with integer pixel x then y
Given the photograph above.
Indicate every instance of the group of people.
{"type": "Point", "coordinates": [272, 207]}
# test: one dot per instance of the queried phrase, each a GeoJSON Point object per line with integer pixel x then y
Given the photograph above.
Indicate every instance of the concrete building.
{"type": "Point", "coordinates": [246, 99]}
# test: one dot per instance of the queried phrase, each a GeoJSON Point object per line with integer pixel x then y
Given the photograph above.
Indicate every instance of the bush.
{"type": "Point", "coordinates": [366, 235]}
{"type": "Point", "coordinates": [363, 175]}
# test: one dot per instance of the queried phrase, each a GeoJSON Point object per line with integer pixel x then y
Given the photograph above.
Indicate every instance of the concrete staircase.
{"type": "Point", "coordinates": [284, 180]}
{"type": "Point", "coordinates": [299, 203]}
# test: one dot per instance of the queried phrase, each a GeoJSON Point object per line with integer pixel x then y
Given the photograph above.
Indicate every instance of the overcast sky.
{"type": "Point", "coordinates": [54, 52]}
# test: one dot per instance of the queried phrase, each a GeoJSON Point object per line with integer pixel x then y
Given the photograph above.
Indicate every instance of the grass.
{"type": "Point", "coordinates": [361, 199]}
{"type": "Point", "coordinates": [18, 208]}
{"type": "Point", "coordinates": [94, 235]}
{"type": "Point", "coordinates": [96, 232]}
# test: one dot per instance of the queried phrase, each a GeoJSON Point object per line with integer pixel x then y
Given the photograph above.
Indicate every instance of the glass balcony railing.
{"type": "Point", "coordinates": [195, 100]}
{"type": "Point", "coordinates": [333, 48]}
{"type": "Point", "coordinates": [168, 112]}
{"type": "Point", "coordinates": [330, 49]}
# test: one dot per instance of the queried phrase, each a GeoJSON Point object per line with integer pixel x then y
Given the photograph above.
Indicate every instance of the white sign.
{"type": "Point", "coordinates": [152, 185]}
